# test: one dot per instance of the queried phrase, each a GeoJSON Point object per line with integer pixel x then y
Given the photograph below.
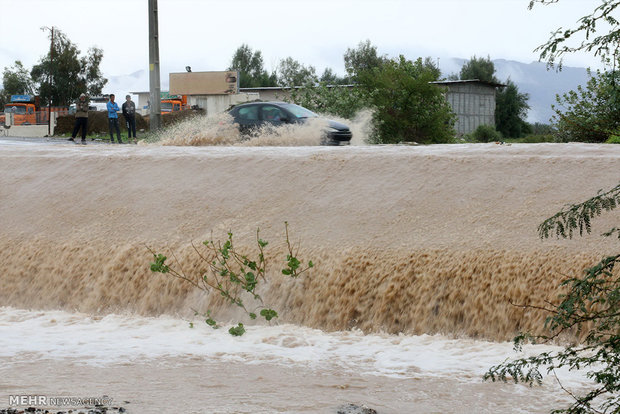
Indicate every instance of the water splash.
{"type": "Point", "coordinates": [220, 130]}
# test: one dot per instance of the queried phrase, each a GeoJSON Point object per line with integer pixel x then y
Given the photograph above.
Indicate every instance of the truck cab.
{"type": "Point", "coordinates": [173, 103]}
{"type": "Point", "coordinates": [23, 108]}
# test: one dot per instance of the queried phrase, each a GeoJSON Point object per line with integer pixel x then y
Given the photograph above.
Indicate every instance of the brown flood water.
{"type": "Point", "coordinates": [200, 386]}
{"type": "Point", "coordinates": [406, 239]}
{"type": "Point", "coordinates": [415, 240]}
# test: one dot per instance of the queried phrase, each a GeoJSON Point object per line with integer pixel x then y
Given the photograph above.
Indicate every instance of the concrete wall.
{"type": "Point", "coordinates": [274, 94]}
{"type": "Point", "coordinates": [26, 131]}
{"type": "Point", "coordinates": [216, 104]}
{"type": "Point", "coordinates": [212, 104]}
{"type": "Point", "coordinates": [204, 83]}
{"type": "Point", "coordinates": [143, 102]}
{"type": "Point", "coordinates": [473, 104]}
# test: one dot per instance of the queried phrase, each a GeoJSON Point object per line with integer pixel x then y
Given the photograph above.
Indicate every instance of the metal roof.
{"type": "Point", "coordinates": [494, 84]}
{"type": "Point", "coordinates": [278, 88]}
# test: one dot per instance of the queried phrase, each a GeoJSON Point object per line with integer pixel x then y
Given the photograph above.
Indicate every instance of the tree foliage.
{"type": "Point", "coordinates": [292, 73]}
{"type": "Point", "coordinates": [65, 75]}
{"type": "Point", "coordinates": [479, 68]}
{"type": "Point", "coordinates": [579, 216]}
{"type": "Point", "coordinates": [590, 309]}
{"type": "Point", "coordinates": [510, 111]}
{"type": "Point", "coordinates": [585, 37]}
{"type": "Point", "coordinates": [362, 59]}
{"type": "Point", "coordinates": [484, 133]}
{"type": "Point", "coordinates": [17, 81]}
{"type": "Point", "coordinates": [590, 114]}
{"type": "Point", "coordinates": [328, 77]}
{"type": "Point", "coordinates": [327, 98]}
{"type": "Point", "coordinates": [251, 68]}
{"type": "Point", "coordinates": [407, 107]}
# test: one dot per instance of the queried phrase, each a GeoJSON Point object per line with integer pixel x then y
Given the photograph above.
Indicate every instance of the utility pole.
{"type": "Point", "coordinates": [155, 89]}
{"type": "Point", "coordinates": [51, 81]}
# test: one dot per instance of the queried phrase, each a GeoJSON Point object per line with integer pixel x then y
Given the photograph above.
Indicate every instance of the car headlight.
{"type": "Point", "coordinates": [331, 129]}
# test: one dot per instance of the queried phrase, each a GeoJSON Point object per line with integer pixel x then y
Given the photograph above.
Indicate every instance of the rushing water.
{"type": "Point", "coordinates": [418, 250]}
{"type": "Point", "coordinates": [159, 363]}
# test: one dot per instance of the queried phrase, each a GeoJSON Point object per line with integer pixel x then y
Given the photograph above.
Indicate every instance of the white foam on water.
{"type": "Point", "coordinates": [31, 335]}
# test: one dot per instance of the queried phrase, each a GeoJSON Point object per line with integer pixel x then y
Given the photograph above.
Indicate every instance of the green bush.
{"type": "Point", "coordinates": [614, 139]}
{"type": "Point", "coordinates": [486, 133]}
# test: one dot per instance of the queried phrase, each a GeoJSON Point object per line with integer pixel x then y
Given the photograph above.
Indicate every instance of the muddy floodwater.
{"type": "Point", "coordinates": [419, 251]}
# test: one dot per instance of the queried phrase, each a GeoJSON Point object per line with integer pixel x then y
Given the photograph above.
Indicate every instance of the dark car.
{"type": "Point", "coordinates": [253, 115]}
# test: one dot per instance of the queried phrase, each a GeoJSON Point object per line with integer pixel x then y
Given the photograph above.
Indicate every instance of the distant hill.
{"type": "Point", "coordinates": [532, 78]}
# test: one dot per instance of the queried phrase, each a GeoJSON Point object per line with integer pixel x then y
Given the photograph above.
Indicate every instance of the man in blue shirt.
{"type": "Point", "coordinates": [113, 120]}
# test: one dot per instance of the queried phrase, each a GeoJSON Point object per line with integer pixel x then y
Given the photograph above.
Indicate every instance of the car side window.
{"type": "Point", "coordinates": [249, 113]}
{"type": "Point", "coordinates": [272, 113]}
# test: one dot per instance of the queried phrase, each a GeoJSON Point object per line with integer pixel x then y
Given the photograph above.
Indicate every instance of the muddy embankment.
{"type": "Point", "coordinates": [405, 239]}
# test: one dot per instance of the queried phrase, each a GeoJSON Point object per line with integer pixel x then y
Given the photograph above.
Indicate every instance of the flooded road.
{"type": "Point", "coordinates": [419, 252]}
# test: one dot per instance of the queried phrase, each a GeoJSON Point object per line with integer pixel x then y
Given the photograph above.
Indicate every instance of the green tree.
{"type": "Point", "coordinates": [510, 111]}
{"type": "Point", "coordinates": [67, 75]}
{"type": "Point", "coordinates": [362, 59]}
{"type": "Point", "coordinates": [328, 98]}
{"type": "Point", "coordinates": [17, 81]}
{"type": "Point", "coordinates": [479, 68]}
{"type": "Point", "coordinates": [330, 78]}
{"type": "Point", "coordinates": [292, 73]}
{"type": "Point", "coordinates": [590, 114]}
{"type": "Point", "coordinates": [251, 68]}
{"type": "Point", "coordinates": [407, 107]}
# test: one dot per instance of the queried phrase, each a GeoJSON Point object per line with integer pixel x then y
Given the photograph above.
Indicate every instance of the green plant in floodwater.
{"type": "Point", "coordinates": [237, 330]}
{"type": "Point", "coordinates": [234, 275]}
{"type": "Point", "coordinates": [590, 310]}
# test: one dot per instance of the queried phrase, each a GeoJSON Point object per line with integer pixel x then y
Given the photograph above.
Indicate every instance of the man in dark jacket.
{"type": "Point", "coordinates": [129, 112]}
{"type": "Point", "coordinates": [81, 118]}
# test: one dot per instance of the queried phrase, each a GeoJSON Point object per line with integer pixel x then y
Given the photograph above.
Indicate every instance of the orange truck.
{"type": "Point", "coordinates": [26, 110]}
{"type": "Point", "coordinates": [173, 103]}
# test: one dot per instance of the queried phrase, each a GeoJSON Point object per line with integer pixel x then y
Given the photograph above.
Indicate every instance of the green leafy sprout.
{"type": "Point", "coordinates": [233, 274]}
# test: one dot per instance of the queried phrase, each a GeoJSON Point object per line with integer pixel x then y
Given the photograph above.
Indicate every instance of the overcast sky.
{"type": "Point", "coordinates": [205, 33]}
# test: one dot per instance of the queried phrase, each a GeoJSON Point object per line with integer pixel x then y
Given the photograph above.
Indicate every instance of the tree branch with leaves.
{"type": "Point", "coordinates": [589, 311]}
{"type": "Point", "coordinates": [234, 275]}
{"type": "Point", "coordinates": [584, 37]}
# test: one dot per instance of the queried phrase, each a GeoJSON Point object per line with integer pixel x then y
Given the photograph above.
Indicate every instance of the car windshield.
{"type": "Point", "coordinates": [299, 111]}
{"type": "Point", "coordinates": [15, 109]}
{"type": "Point", "coordinates": [166, 106]}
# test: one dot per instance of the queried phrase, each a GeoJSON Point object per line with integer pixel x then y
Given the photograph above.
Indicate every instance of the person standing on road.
{"type": "Point", "coordinates": [129, 112]}
{"type": "Point", "coordinates": [81, 118]}
{"type": "Point", "coordinates": [113, 120]}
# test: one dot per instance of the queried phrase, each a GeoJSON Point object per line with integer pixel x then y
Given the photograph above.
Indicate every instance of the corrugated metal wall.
{"type": "Point", "coordinates": [473, 104]}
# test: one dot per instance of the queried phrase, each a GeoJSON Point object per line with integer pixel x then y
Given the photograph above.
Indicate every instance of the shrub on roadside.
{"type": "Point", "coordinates": [614, 139]}
{"type": "Point", "coordinates": [486, 133]}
